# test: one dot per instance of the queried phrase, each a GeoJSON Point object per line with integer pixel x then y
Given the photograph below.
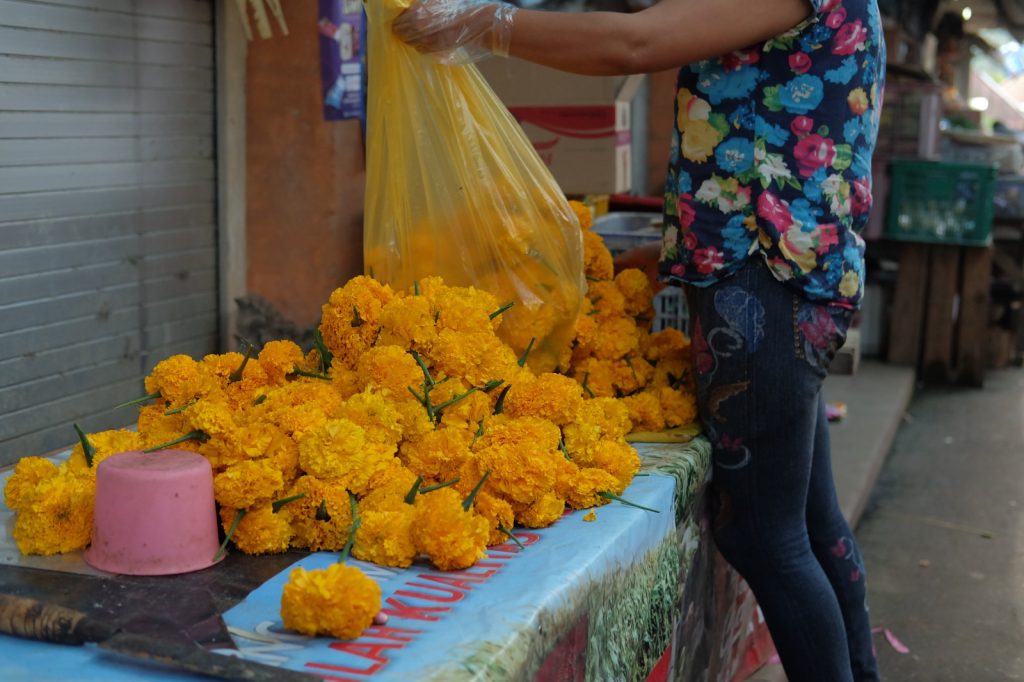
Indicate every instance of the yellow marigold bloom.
{"type": "Point", "coordinates": [466, 309]}
{"type": "Point", "coordinates": [438, 455]}
{"type": "Point", "coordinates": [376, 415]}
{"type": "Point", "coordinates": [248, 483]}
{"type": "Point", "coordinates": [467, 413]}
{"type": "Point", "coordinates": [668, 344]}
{"type": "Point", "coordinates": [389, 370]}
{"type": "Point", "coordinates": [590, 516]}
{"type": "Point", "coordinates": [260, 531]}
{"type": "Point", "coordinates": [607, 300]}
{"type": "Point", "coordinates": [387, 488]}
{"type": "Point", "coordinates": [498, 513]}
{"type": "Point", "coordinates": [329, 451]}
{"type": "Point", "coordinates": [413, 419]}
{"type": "Point", "coordinates": [597, 259]}
{"type": "Point", "coordinates": [553, 397]}
{"type": "Point", "coordinates": [451, 537]}
{"type": "Point", "coordinates": [278, 359]}
{"type": "Point", "coordinates": [645, 412]}
{"type": "Point", "coordinates": [212, 418]}
{"type": "Point", "coordinates": [636, 291]}
{"type": "Point", "coordinates": [339, 601]}
{"type": "Point", "coordinates": [284, 452]}
{"type": "Point", "coordinates": [583, 214]}
{"type": "Point", "coordinates": [596, 377]}
{"type": "Point", "coordinates": [238, 393]}
{"type": "Point", "coordinates": [352, 316]}
{"type": "Point", "coordinates": [586, 326]}
{"type": "Point", "coordinates": [618, 458]}
{"type": "Point", "coordinates": [29, 472]}
{"type": "Point", "coordinates": [385, 537]}
{"type": "Point", "coordinates": [345, 382]}
{"type": "Point", "coordinates": [155, 427]}
{"type": "Point", "coordinates": [542, 513]}
{"type": "Point", "coordinates": [631, 373]}
{"type": "Point", "coordinates": [408, 322]}
{"type": "Point", "coordinates": [674, 373]}
{"type": "Point", "coordinates": [586, 486]}
{"type": "Point", "coordinates": [615, 338]}
{"type": "Point", "coordinates": [179, 379]}
{"type": "Point", "coordinates": [522, 455]}
{"type": "Point", "coordinates": [678, 407]}
{"type": "Point", "coordinates": [331, 530]}
{"type": "Point", "coordinates": [106, 443]}
{"type": "Point", "coordinates": [468, 355]}
{"type": "Point", "coordinates": [299, 406]}
{"type": "Point", "coordinates": [57, 516]}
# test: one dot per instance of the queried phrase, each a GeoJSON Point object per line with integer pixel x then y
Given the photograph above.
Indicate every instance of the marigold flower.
{"type": "Point", "coordinates": [376, 415]}
{"type": "Point", "coordinates": [438, 455]}
{"type": "Point", "coordinates": [607, 300]}
{"type": "Point", "coordinates": [340, 601]}
{"type": "Point", "coordinates": [541, 513]}
{"type": "Point", "coordinates": [466, 309]}
{"type": "Point", "coordinates": [596, 377]}
{"type": "Point", "coordinates": [469, 355]}
{"type": "Point", "coordinates": [645, 412]}
{"type": "Point", "coordinates": [239, 385]}
{"type": "Point", "coordinates": [261, 531]}
{"type": "Point", "coordinates": [283, 451]}
{"type": "Point", "coordinates": [586, 486]}
{"type": "Point", "coordinates": [155, 427]}
{"type": "Point", "coordinates": [597, 259]}
{"type": "Point", "coordinates": [451, 537]}
{"type": "Point", "coordinates": [352, 316]}
{"type": "Point", "coordinates": [674, 373]}
{"type": "Point", "coordinates": [322, 519]}
{"type": "Point", "coordinates": [56, 517]}
{"type": "Point", "coordinates": [299, 406]}
{"type": "Point", "coordinates": [521, 454]}
{"type": "Point", "coordinates": [553, 397]}
{"type": "Point", "coordinates": [387, 488]}
{"type": "Point", "coordinates": [631, 374]}
{"type": "Point", "coordinates": [615, 338]}
{"type": "Point", "coordinates": [408, 322]}
{"type": "Point", "coordinates": [583, 214]}
{"type": "Point", "coordinates": [278, 359]}
{"type": "Point", "coordinates": [498, 514]}
{"type": "Point", "coordinates": [413, 419]}
{"type": "Point", "coordinates": [248, 483]}
{"type": "Point", "coordinates": [390, 370]}
{"type": "Point", "coordinates": [106, 443]}
{"type": "Point", "coordinates": [636, 291]}
{"type": "Point", "coordinates": [618, 458]}
{"type": "Point", "coordinates": [179, 379]}
{"type": "Point", "coordinates": [328, 451]}
{"type": "Point", "coordinates": [385, 537]}
{"type": "Point", "coordinates": [29, 472]}
{"type": "Point", "coordinates": [678, 407]}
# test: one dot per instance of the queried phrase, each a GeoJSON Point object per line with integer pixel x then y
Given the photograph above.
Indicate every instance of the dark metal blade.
{"type": "Point", "coordinates": [200, 661]}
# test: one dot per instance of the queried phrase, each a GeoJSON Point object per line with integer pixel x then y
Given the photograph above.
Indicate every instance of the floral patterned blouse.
{"type": "Point", "coordinates": [772, 155]}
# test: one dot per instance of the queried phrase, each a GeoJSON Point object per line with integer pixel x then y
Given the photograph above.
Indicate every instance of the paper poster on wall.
{"type": "Point", "coordinates": [342, 58]}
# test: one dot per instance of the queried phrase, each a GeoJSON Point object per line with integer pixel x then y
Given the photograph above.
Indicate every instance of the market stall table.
{"type": "Point", "coordinates": [617, 598]}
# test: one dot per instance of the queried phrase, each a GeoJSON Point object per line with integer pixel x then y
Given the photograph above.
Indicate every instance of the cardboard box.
{"type": "Point", "coordinates": [582, 126]}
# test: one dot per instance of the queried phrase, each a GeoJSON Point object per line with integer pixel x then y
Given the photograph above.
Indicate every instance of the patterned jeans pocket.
{"type": "Point", "coordinates": [819, 331]}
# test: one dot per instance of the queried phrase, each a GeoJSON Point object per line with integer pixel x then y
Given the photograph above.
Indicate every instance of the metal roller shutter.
{"type": "Point", "coordinates": [108, 244]}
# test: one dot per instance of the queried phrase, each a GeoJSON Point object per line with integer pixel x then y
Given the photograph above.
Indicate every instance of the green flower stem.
{"type": "Point", "coordinates": [87, 448]}
{"type": "Point", "coordinates": [595, 311]}
{"type": "Point", "coordinates": [326, 357]}
{"type": "Point", "coordinates": [357, 321]}
{"type": "Point", "coordinates": [237, 374]}
{"type": "Point", "coordinates": [138, 401]}
{"type": "Point", "coordinates": [276, 506]}
{"type": "Point", "coordinates": [259, 401]}
{"type": "Point", "coordinates": [356, 522]}
{"type": "Point", "coordinates": [423, 366]}
{"type": "Point", "coordinates": [179, 410]}
{"type": "Point", "coordinates": [432, 488]}
{"type": "Point", "coordinates": [457, 399]}
{"type": "Point", "coordinates": [565, 451]}
{"type": "Point", "coordinates": [311, 375]}
{"type": "Point", "coordinates": [479, 432]}
{"type": "Point", "coordinates": [416, 287]}
{"type": "Point", "coordinates": [526, 353]}
{"type": "Point", "coordinates": [321, 512]}
{"type": "Point", "coordinates": [629, 362]}
{"type": "Point", "coordinates": [492, 384]}
{"type": "Point", "coordinates": [472, 496]}
{"type": "Point", "coordinates": [234, 526]}
{"type": "Point", "coordinates": [612, 496]}
{"type": "Point", "coordinates": [586, 388]}
{"type": "Point", "coordinates": [502, 309]}
{"type": "Point", "coordinates": [191, 435]}
{"type": "Point", "coordinates": [499, 406]}
{"type": "Point", "coordinates": [410, 496]}
{"type": "Point", "coordinates": [509, 533]}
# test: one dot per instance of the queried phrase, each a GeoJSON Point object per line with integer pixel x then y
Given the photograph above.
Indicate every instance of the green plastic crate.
{"type": "Point", "coordinates": [941, 203]}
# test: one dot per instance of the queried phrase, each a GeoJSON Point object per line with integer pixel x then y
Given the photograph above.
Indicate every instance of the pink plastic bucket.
{"type": "Point", "coordinates": [154, 514]}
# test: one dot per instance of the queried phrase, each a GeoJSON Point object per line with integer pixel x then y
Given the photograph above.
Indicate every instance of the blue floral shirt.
{"type": "Point", "coordinates": [772, 155]}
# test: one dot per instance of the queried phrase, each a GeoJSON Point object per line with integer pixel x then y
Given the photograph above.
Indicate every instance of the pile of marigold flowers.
{"type": "Point", "coordinates": [411, 430]}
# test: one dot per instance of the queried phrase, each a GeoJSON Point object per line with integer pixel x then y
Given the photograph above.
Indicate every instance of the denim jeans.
{"type": "Point", "coordinates": [761, 352]}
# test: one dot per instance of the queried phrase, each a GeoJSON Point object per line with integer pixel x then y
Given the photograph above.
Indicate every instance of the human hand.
{"type": "Point", "coordinates": [457, 31]}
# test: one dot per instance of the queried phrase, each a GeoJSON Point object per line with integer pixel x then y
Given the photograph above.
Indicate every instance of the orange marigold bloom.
{"type": "Point", "coordinates": [260, 531]}
{"type": "Point", "coordinates": [522, 455]}
{"type": "Point", "coordinates": [636, 291]}
{"type": "Point", "coordinates": [180, 380]}
{"type": "Point", "coordinates": [597, 259]}
{"type": "Point", "coordinates": [631, 373]}
{"type": "Point", "coordinates": [339, 601]}
{"type": "Point", "coordinates": [615, 338]}
{"type": "Point", "coordinates": [553, 397]}
{"type": "Point", "coordinates": [377, 416]}
{"type": "Point", "coordinates": [668, 344]}
{"type": "Point", "coordinates": [318, 531]}
{"type": "Point", "coordinates": [388, 488]}
{"type": "Point", "coordinates": [352, 316]}
{"type": "Point", "coordinates": [583, 214]}
{"type": "Point", "coordinates": [248, 483]}
{"type": "Point", "coordinates": [586, 486]}
{"type": "Point", "coordinates": [541, 513]}
{"type": "Point", "coordinates": [618, 458]}
{"type": "Point", "coordinates": [390, 370]}
{"type": "Point", "coordinates": [678, 407]}
{"type": "Point", "coordinates": [386, 537]}
{"type": "Point", "coordinates": [645, 412]}
{"type": "Point", "coordinates": [466, 309]}
{"type": "Point", "coordinates": [106, 443]}
{"type": "Point", "coordinates": [241, 392]}
{"type": "Point", "coordinates": [607, 300]}
{"type": "Point", "coordinates": [57, 516]}
{"type": "Point", "coordinates": [278, 359]}
{"type": "Point", "coordinates": [29, 472]}
{"type": "Point", "coordinates": [408, 322]}
{"type": "Point", "coordinates": [498, 513]}
{"type": "Point", "coordinates": [596, 378]}
{"type": "Point", "coordinates": [438, 455]}
{"type": "Point", "coordinates": [451, 537]}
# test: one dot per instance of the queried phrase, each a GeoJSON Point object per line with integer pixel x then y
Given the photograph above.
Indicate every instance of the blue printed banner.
{"type": "Point", "coordinates": [342, 58]}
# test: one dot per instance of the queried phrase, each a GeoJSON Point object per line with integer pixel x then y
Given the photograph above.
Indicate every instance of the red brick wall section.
{"type": "Point", "coordinates": [305, 176]}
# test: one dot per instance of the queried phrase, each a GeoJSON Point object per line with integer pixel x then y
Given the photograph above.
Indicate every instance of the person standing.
{"type": "Point", "coordinates": [768, 185]}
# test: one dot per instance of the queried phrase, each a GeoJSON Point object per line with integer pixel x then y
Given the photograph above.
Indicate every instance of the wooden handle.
{"type": "Point", "coordinates": [31, 619]}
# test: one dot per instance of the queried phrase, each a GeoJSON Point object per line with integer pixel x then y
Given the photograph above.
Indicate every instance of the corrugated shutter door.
{"type": "Point", "coordinates": [108, 248]}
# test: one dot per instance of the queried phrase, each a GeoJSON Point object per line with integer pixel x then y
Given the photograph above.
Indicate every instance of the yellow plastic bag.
{"type": "Point", "coordinates": [455, 189]}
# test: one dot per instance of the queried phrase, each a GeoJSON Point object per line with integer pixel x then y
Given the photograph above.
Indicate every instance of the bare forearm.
{"type": "Point", "coordinates": [669, 34]}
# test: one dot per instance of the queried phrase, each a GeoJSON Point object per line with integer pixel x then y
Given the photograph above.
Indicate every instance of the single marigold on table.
{"type": "Point", "coordinates": [385, 537]}
{"type": "Point", "coordinates": [408, 322]}
{"type": "Point", "coordinates": [248, 483]}
{"type": "Point", "coordinates": [56, 516]}
{"type": "Point", "coordinates": [553, 397]}
{"type": "Point", "coordinates": [106, 443]}
{"type": "Point", "coordinates": [322, 519]}
{"type": "Point", "coordinates": [645, 412]}
{"type": "Point", "coordinates": [29, 472]}
{"type": "Point", "coordinates": [541, 513]}
{"type": "Point", "coordinates": [351, 318]}
{"type": "Point", "coordinates": [389, 370]}
{"type": "Point", "coordinates": [588, 483]}
{"type": "Point", "coordinates": [279, 359]}
{"type": "Point", "coordinates": [451, 537]}
{"type": "Point", "coordinates": [597, 259]}
{"type": "Point", "coordinates": [261, 530]}
{"type": "Point", "coordinates": [339, 601]}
